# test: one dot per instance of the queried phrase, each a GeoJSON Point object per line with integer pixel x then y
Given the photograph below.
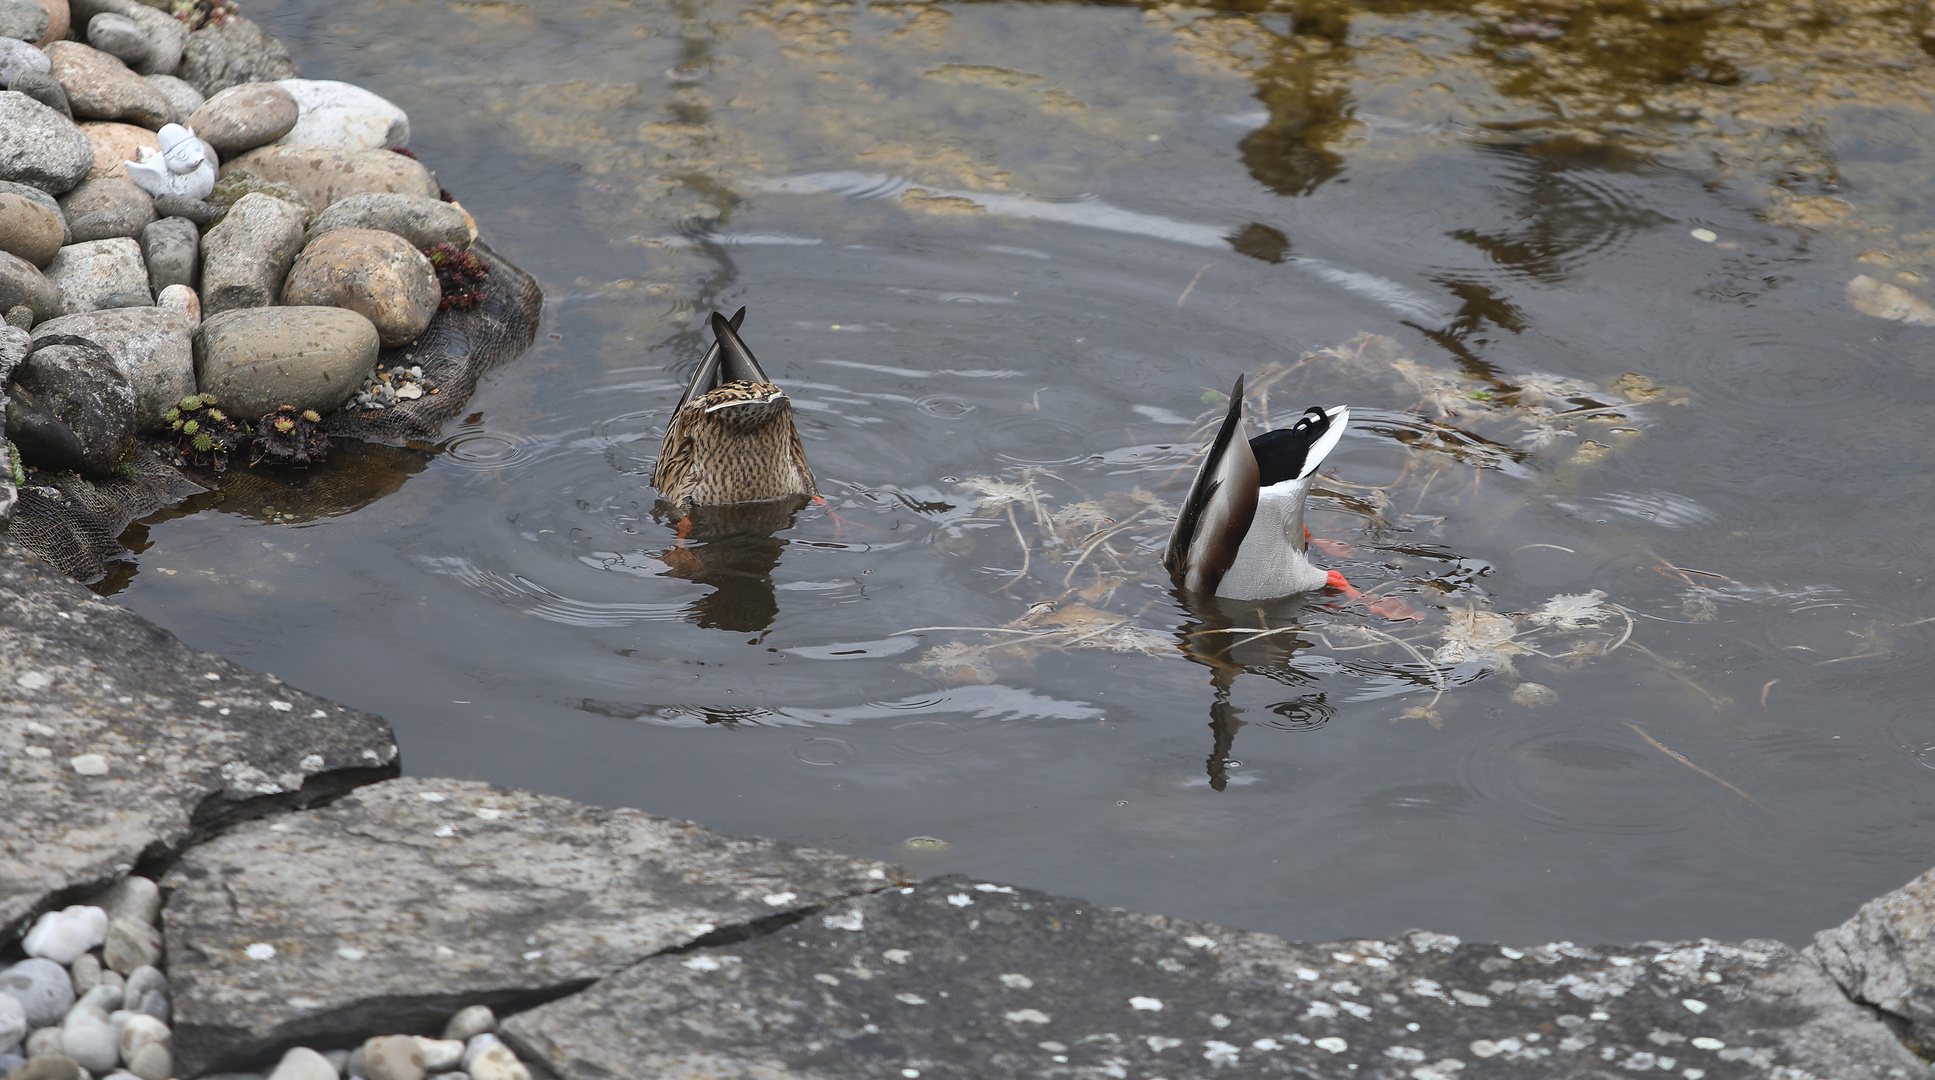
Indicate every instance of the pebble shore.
{"type": "Point", "coordinates": [187, 224]}
{"type": "Point", "coordinates": [91, 1000]}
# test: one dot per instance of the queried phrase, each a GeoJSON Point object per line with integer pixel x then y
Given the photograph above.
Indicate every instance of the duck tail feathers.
{"type": "Point", "coordinates": [705, 377]}
{"type": "Point", "coordinates": [736, 362]}
{"type": "Point", "coordinates": [1221, 503]}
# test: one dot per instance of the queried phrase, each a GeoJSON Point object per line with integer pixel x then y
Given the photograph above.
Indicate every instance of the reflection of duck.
{"type": "Point", "coordinates": [1240, 534]}
{"type": "Point", "coordinates": [732, 438]}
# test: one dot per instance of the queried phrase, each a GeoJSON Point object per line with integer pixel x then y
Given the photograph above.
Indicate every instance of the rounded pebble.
{"type": "Point", "coordinates": [87, 1036]}
{"type": "Point", "coordinates": [50, 1066]}
{"type": "Point", "coordinates": [244, 117]}
{"type": "Point", "coordinates": [118, 36]}
{"type": "Point", "coordinates": [62, 936]}
{"type": "Point", "coordinates": [42, 987]}
{"type": "Point", "coordinates": [138, 1030]}
{"type": "Point", "coordinates": [487, 1058]}
{"type": "Point", "coordinates": [470, 1022]}
{"type": "Point", "coordinates": [441, 1055]}
{"type": "Point", "coordinates": [44, 1042]}
{"type": "Point", "coordinates": [103, 997]}
{"type": "Point", "coordinates": [13, 1023]}
{"type": "Point", "coordinates": [376, 274]}
{"type": "Point", "coordinates": [152, 1062]}
{"type": "Point", "coordinates": [303, 1063]}
{"type": "Point", "coordinates": [393, 1057]}
{"type": "Point", "coordinates": [86, 972]}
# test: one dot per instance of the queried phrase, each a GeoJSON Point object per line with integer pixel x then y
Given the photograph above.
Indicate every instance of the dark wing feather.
{"type": "Point", "coordinates": [1221, 504]}
{"type": "Point", "coordinates": [736, 363]}
{"type": "Point", "coordinates": [706, 376]}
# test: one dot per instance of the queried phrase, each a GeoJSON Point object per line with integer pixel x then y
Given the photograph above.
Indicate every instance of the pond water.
{"type": "Point", "coordinates": [1638, 498]}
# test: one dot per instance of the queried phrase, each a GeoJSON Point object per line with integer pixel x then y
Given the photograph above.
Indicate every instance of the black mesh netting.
{"type": "Point", "coordinates": [76, 524]}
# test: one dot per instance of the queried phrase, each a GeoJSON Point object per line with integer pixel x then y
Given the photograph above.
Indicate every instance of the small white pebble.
{"type": "Point", "coordinates": [910, 999]}
{"type": "Point", "coordinates": [487, 813]}
{"type": "Point", "coordinates": [318, 715]}
{"type": "Point", "coordinates": [1146, 1004]}
{"type": "Point", "coordinates": [780, 899]}
{"type": "Point", "coordinates": [1510, 954]}
{"type": "Point", "coordinates": [261, 950]}
{"type": "Point", "coordinates": [960, 899]}
{"type": "Point", "coordinates": [1221, 1053]}
{"type": "Point", "coordinates": [1410, 1027]}
{"type": "Point", "coordinates": [223, 710]}
{"type": "Point", "coordinates": [910, 1073]}
{"type": "Point", "coordinates": [1693, 1074]}
{"type": "Point", "coordinates": [89, 764]}
{"type": "Point", "coordinates": [1052, 1047]}
{"type": "Point", "coordinates": [701, 963]}
{"type": "Point", "coordinates": [432, 796]}
{"type": "Point", "coordinates": [830, 980]}
{"type": "Point", "coordinates": [1711, 976]}
{"type": "Point", "coordinates": [280, 706]}
{"type": "Point", "coordinates": [351, 952]}
{"type": "Point", "coordinates": [1343, 957]}
{"type": "Point", "coordinates": [700, 929]}
{"type": "Point", "coordinates": [1695, 1005]}
{"type": "Point", "coordinates": [1159, 1043]}
{"type": "Point", "coordinates": [1598, 1014]}
{"type": "Point", "coordinates": [1025, 1016]}
{"type": "Point", "coordinates": [1267, 1044]}
{"type": "Point", "coordinates": [895, 956]}
{"type": "Point", "coordinates": [877, 874]}
{"type": "Point", "coordinates": [1333, 1044]}
{"type": "Point", "coordinates": [1306, 975]}
{"type": "Point", "coordinates": [534, 954]}
{"type": "Point", "coordinates": [1017, 982]}
{"type": "Point", "coordinates": [212, 677]}
{"type": "Point", "coordinates": [445, 831]}
{"type": "Point", "coordinates": [1200, 942]}
{"type": "Point", "coordinates": [34, 680]}
{"type": "Point", "coordinates": [852, 921]}
{"type": "Point", "coordinates": [1706, 1043]}
{"type": "Point", "coordinates": [985, 887]}
{"type": "Point", "coordinates": [1705, 236]}
{"type": "Point", "coordinates": [1219, 1021]}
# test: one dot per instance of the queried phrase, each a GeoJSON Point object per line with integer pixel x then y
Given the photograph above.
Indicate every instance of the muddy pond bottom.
{"type": "Point", "coordinates": [1643, 651]}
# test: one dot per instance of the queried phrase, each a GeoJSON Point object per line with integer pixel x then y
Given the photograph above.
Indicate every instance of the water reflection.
{"type": "Point", "coordinates": [733, 549]}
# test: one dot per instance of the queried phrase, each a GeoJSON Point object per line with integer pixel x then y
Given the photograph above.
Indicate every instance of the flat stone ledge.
{"type": "Point", "coordinates": [1884, 957]}
{"type": "Point", "coordinates": [119, 744]}
{"type": "Point", "coordinates": [962, 979]}
{"type": "Point", "coordinates": [392, 908]}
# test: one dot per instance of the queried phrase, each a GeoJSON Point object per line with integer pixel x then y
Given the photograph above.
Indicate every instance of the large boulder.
{"type": "Point", "coordinates": [29, 229]}
{"type": "Point", "coordinates": [324, 175]}
{"type": "Point", "coordinates": [152, 347]}
{"type": "Point", "coordinates": [244, 117]}
{"type": "Point", "coordinates": [258, 359]}
{"type": "Point", "coordinates": [378, 275]}
{"type": "Point", "coordinates": [71, 409]}
{"type": "Point", "coordinates": [101, 87]}
{"type": "Point", "coordinates": [23, 285]}
{"type": "Point", "coordinates": [345, 115]}
{"type": "Point", "coordinates": [247, 256]}
{"type": "Point", "coordinates": [100, 274]}
{"type": "Point", "coordinates": [42, 147]}
{"type": "Point", "coordinates": [107, 207]}
{"type": "Point", "coordinates": [393, 908]}
{"type": "Point", "coordinates": [238, 51]}
{"type": "Point", "coordinates": [424, 222]}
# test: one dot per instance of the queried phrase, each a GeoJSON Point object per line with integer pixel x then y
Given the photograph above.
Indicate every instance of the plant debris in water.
{"type": "Point", "coordinates": [460, 273]}
{"type": "Point", "coordinates": [386, 387]}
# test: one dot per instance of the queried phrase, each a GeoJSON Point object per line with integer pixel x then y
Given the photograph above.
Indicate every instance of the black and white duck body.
{"type": "Point", "coordinates": [1241, 534]}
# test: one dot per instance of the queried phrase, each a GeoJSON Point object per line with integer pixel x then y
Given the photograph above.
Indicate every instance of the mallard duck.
{"type": "Point", "coordinates": [1240, 534]}
{"type": "Point", "coordinates": [732, 438]}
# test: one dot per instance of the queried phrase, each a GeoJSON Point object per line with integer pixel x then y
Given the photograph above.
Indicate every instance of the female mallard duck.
{"type": "Point", "coordinates": [1240, 534]}
{"type": "Point", "coordinates": [732, 438]}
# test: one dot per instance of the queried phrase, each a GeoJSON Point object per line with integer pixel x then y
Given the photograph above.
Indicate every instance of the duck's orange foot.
{"type": "Point", "coordinates": [1395, 608]}
{"type": "Point", "coordinates": [1335, 580]}
{"type": "Point", "coordinates": [685, 529]}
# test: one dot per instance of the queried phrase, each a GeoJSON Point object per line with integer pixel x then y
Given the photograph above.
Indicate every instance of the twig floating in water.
{"type": "Point", "coordinates": [1681, 758]}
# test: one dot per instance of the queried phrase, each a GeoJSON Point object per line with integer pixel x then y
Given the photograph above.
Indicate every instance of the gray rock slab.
{"type": "Point", "coordinates": [42, 148]}
{"type": "Point", "coordinates": [106, 207]}
{"type": "Point", "coordinates": [100, 274]}
{"type": "Point", "coordinates": [165, 36]}
{"type": "Point", "coordinates": [22, 20]}
{"type": "Point", "coordinates": [424, 222]}
{"type": "Point", "coordinates": [255, 360]}
{"type": "Point", "coordinates": [244, 117]}
{"type": "Point", "coordinates": [1884, 957]}
{"type": "Point", "coordinates": [393, 908]}
{"type": "Point", "coordinates": [185, 98]}
{"type": "Point", "coordinates": [152, 346]}
{"type": "Point", "coordinates": [965, 979]}
{"type": "Point", "coordinates": [118, 743]}
{"type": "Point", "coordinates": [247, 256]}
{"type": "Point", "coordinates": [238, 51]}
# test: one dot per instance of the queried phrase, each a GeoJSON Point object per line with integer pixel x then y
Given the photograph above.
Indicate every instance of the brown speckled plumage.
{"type": "Point", "coordinates": [732, 440]}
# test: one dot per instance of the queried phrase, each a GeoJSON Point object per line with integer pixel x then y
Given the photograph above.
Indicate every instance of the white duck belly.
{"type": "Point", "coordinates": [1272, 560]}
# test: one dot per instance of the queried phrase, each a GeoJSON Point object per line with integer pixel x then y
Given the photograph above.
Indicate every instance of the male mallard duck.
{"type": "Point", "coordinates": [732, 438]}
{"type": "Point", "coordinates": [1240, 534]}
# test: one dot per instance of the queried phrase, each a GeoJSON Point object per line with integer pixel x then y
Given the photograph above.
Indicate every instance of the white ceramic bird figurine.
{"type": "Point", "coordinates": [181, 168]}
{"type": "Point", "coordinates": [1240, 534]}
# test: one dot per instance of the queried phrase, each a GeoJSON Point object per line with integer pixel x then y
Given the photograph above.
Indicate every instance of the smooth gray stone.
{"type": "Point", "coordinates": [18, 57]}
{"type": "Point", "coordinates": [256, 360]}
{"type": "Point", "coordinates": [13, 1015]}
{"type": "Point", "coordinates": [106, 207]}
{"type": "Point", "coordinates": [118, 36]}
{"type": "Point", "coordinates": [247, 256]}
{"type": "Point", "coordinates": [23, 284]}
{"type": "Point", "coordinates": [184, 98]}
{"type": "Point", "coordinates": [201, 213]}
{"type": "Point", "coordinates": [218, 57]}
{"type": "Point", "coordinates": [359, 900]}
{"type": "Point", "coordinates": [20, 317]}
{"type": "Point", "coordinates": [28, 191]}
{"type": "Point", "coordinates": [86, 971]}
{"type": "Point", "coordinates": [200, 770]}
{"type": "Point", "coordinates": [424, 222]}
{"type": "Point", "coordinates": [244, 117]}
{"type": "Point", "coordinates": [959, 978]}
{"type": "Point", "coordinates": [148, 978]}
{"type": "Point", "coordinates": [154, 1003]}
{"type": "Point", "coordinates": [1884, 957]}
{"type": "Point", "coordinates": [105, 998]}
{"type": "Point", "coordinates": [96, 274]}
{"type": "Point", "coordinates": [44, 88]}
{"type": "Point", "coordinates": [166, 36]}
{"type": "Point", "coordinates": [172, 248]}
{"type": "Point", "coordinates": [43, 147]}
{"type": "Point", "coordinates": [44, 1042]}
{"type": "Point", "coordinates": [100, 87]}
{"type": "Point", "coordinates": [43, 989]}
{"type": "Point", "coordinates": [22, 20]}
{"type": "Point", "coordinates": [10, 1062]}
{"type": "Point", "coordinates": [76, 383]}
